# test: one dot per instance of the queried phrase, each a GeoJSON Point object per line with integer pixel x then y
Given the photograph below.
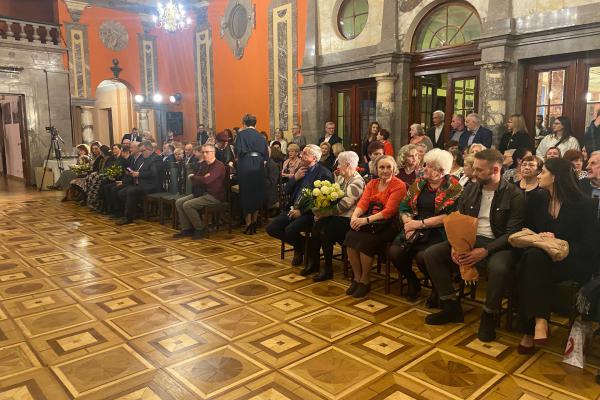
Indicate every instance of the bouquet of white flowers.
{"type": "Point", "coordinates": [323, 197]}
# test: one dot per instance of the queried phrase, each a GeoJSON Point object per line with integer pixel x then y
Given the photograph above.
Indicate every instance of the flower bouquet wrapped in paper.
{"type": "Point", "coordinates": [113, 172]}
{"type": "Point", "coordinates": [81, 169]}
{"type": "Point", "coordinates": [322, 198]}
{"type": "Point", "coordinates": [461, 231]}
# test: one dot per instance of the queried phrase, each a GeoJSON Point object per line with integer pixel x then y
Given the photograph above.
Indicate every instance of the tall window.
{"type": "Point", "coordinates": [448, 25]}
{"type": "Point", "coordinates": [592, 96]}
{"type": "Point", "coordinates": [550, 94]}
{"type": "Point", "coordinates": [352, 17]}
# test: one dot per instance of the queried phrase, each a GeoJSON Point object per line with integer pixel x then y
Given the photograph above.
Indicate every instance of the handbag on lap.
{"type": "Point", "coordinates": [557, 249]}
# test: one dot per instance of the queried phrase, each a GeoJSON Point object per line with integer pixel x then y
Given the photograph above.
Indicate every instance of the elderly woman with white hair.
{"type": "Point", "coordinates": [373, 223]}
{"type": "Point", "coordinates": [429, 199]}
{"type": "Point", "coordinates": [331, 226]}
{"type": "Point", "coordinates": [417, 135]}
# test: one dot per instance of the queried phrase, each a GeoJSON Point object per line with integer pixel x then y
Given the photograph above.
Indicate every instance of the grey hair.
{"type": "Point", "coordinates": [419, 129]}
{"type": "Point", "coordinates": [210, 146]}
{"type": "Point", "coordinates": [476, 117]}
{"type": "Point", "coordinates": [443, 114]}
{"type": "Point", "coordinates": [595, 153]}
{"type": "Point", "coordinates": [314, 151]}
{"type": "Point", "coordinates": [348, 157]}
{"type": "Point", "coordinates": [439, 159]}
{"type": "Point", "coordinates": [395, 168]}
{"type": "Point", "coordinates": [404, 150]}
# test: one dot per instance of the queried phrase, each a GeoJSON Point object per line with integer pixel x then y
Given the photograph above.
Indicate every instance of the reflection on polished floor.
{"type": "Point", "coordinates": [90, 310]}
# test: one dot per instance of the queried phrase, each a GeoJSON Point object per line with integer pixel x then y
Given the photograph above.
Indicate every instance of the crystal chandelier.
{"type": "Point", "coordinates": [171, 17]}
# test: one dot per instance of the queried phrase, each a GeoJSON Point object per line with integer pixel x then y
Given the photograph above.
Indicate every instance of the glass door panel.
{"type": "Point", "coordinates": [592, 95]}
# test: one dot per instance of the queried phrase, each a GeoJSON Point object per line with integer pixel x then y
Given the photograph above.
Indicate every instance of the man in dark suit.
{"type": "Point", "coordinates": [330, 136]}
{"type": "Point", "coordinates": [289, 224]}
{"type": "Point", "coordinates": [436, 132]}
{"type": "Point", "coordinates": [202, 135]}
{"type": "Point", "coordinates": [591, 184]}
{"type": "Point", "coordinates": [475, 133]}
{"type": "Point", "coordinates": [134, 136]}
{"type": "Point", "coordinates": [146, 179]}
{"type": "Point", "coordinates": [189, 159]}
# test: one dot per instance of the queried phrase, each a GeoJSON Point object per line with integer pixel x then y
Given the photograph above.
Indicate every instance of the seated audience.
{"type": "Point", "coordinates": [64, 181]}
{"type": "Point", "coordinates": [336, 149]}
{"type": "Point", "coordinates": [374, 151]}
{"type": "Point", "coordinates": [208, 188]}
{"type": "Point", "coordinates": [499, 208]}
{"type": "Point", "coordinates": [561, 137]}
{"type": "Point", "coordinates": [289, 225]}
{"type": "Point", "coordinates": [133, 136]}
{"type": "Point", "coordinates": [331, 226]}
{"type": "Point", "coordinates": [384, 137]}
{"type": "Point", "coordinates": [475, 148]}
{"type": "Point", "coordinates": [78, 186]}
{"type": "Point", "coordinates": [421, 149]}
{"type": "Point", "coordinates": [591, 140]}
{"type": "Point", "coordinates": [451, 145]}
{"type": "Point", "coordinates": [575, 157]}
{"type": "Point", "coordinates": [468, 175]}
{"type": "Point", "coordinates": [517, 135]}
{"type": "Point", "coordinates": [178, 154]}
{"type": "Point", "coordinates": [429, 199]}
{"type": "Point", "coordinates": [330, 136]}
{"type": "Point", "coordinates": [297, 137]}
{"type": "Point", "coordinates": [457, 163]}
{"type": "Point", "coordinates": [417, 136]}
{"type": "Point", "coordinates": [94, 180]}
{"type": "Point", "coordinates": [591, 184]}
{"type": "Point", "coordinates": [292, 163]}
{"type": "Point", "coordinates": [327, 158]}
{"type": "Point", "coordinates": [475, 133]}
{"type": "Point", "coordinates": [552, 152]}
{"type": "Point", "coordinates": [531, 166]}
{"type": "Point", "coordinates": [189, 159]}
{"type": "Point", "coordinates": [408, 163]}
{"type": "Point", "coordinates": [276, 154]}
{"type": "Point", "coordinates": [373, 223]}
{"type": "Point", "coordinates": [113, 204]}
{"type": "Point", "coordinates": [278, 137]}
{"type": "Point", "coordinates": [272, 171]}
{"type": "Point", "coordinates": [560, 211]}
{"type": "Point", "coordinates": [512, 172]}
{"type": "Point", "coordinates": [224, 150]}
{"type": "Point", "coordinates": [167, 153]}
{"type": "Point", "coordinates": [146, 179]}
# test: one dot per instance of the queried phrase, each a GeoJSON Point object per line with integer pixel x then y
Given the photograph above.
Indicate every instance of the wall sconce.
{"type": "Point", "coordinates": [157, 98]}
{"type": "Point", "coordinates": [139, 98]}
{"type": "Point", "coordinates": [175, 98]}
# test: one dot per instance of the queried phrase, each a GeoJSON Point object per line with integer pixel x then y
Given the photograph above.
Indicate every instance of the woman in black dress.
{"type": "Point", "coordinates": [517, 135]}
{"type": "Point", "coordinates": [560, 211]}
{"type": "Point", "coordinates": [253, 154]}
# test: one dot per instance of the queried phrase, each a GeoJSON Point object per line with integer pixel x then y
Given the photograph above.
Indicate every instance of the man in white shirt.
{"type": "Point", "coordinates": [498, 206]}
{"type": "Point", "coordinates": [436, 132]}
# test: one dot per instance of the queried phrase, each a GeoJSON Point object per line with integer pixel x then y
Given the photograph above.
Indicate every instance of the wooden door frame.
{"type": "Point", "coordinates": [27, 173]}
{"type": "Point", "coordinates": [579, 103]}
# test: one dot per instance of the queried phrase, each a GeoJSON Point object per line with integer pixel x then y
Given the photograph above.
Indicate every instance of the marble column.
{"type": "Point", "coordinates": [493, 87]}
{"type": "Point", "coordinates": [385, 99]}
{"type": "Point", "coordinates": [87, 124]}
{"type": "Point", "coordinates": [143, 124]}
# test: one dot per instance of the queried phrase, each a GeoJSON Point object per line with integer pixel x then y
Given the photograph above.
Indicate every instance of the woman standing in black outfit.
{"type": "Point", "coordinates": [564, 212]}
{"type": "Point", "coordinates": [253, 153]}
{"type": "Point", "coordinates": [516, 136]}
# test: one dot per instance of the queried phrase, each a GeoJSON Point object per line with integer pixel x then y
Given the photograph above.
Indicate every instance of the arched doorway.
{"type": "Point", "coordinates": [114, 113]}
{"type": "Point", "coordinates": [444, 74]}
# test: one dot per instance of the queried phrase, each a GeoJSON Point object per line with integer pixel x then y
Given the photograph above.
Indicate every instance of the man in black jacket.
{"type": "Point", "coordinates": [146, 179]}
{"type": "Point", "coordinates": [591, 140]}
{"type": "Point", "coordinates": [289, 225]}
{"type": "Point", "coordinates": [201, 135]}
{"type": "Point", "coordinates": [134, 136]}
{"type": "Point", "coordinates": [436, 132]}
{"type": "Point", "coordinates": [498, 206]}
{"type": "Point", "coordinates": [330, 136]}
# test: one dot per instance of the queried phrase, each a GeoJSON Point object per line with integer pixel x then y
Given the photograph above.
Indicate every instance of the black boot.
{"type": "Point", "coordinates": [414, 287]}
{"type": "Point", "coordinates": [433, 301]}
{"type": "Point", "coordinates": [487, 327]}
{"type": "Point", "coordinates": [451, 312]}
{"type": "Point", "coordinates": [325, 273]}
{"type": "Point", "coordinates": [311, 267]}
{"type": "Point", "coordinates": [298, 258]}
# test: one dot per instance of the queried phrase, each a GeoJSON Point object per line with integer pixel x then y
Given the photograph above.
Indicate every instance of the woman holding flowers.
{"type": "Point", "coordinates": [83, 163]}
{"type": "Point", "coordinates": [333, 222]}
{"type": "Point", "coordinates": [430, 198]}
{"type": "Point", "coordinates": [373, 223]}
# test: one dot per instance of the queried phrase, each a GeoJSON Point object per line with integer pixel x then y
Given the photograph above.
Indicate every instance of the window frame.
{"type": "Point", "coordinates": [340, 20]}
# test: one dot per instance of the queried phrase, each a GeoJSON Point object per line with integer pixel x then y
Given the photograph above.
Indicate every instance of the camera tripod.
{"type": "Point", "coordinates": [54, 147]}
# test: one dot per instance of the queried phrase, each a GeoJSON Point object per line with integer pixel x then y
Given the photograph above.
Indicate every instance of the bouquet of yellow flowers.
{"type": "Point", "coordinates": [80, 169]}
{"type": "Point", "coordinates": [324, 196]}
{"type": "Point", "coordinates": [113, 172]}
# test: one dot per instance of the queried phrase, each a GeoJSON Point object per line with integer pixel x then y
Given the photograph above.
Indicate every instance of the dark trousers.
{"type": "Point", "coordinates": [440, 267]}
{"type": "Point", "coordinates": [130, 196]}
{"type": "Point", "coordinates": [403, 259]}
{"type": "Point", "coordinates": [289, 230]}
{"type": "Point", "coordinates": [114, 199]}
{"type": "Point", "coordinates": [325, 233]}
{"type": "Point", "coordinates": [104, 195]}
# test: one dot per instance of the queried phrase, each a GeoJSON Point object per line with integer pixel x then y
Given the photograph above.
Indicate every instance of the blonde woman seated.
{"type": "Point", "coordinates": [409, 161]}
{"type": "Point", "coordinates": [373, 223]}
{"type": "Point", "coordinates": [468, 177]}
{"type": "Point", "coordinates": [475, 148]}
{"type": "Point", "coordinates": [292, 163]}
{"type": "Point", "coordinates": [331, 227]}
{"type": "Point", "coordinates": [278, 137]}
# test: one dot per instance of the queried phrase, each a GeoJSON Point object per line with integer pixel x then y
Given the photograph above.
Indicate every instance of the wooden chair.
{"type": "Point", "coordinates": [381, 259]}
{"type": "Point", "coordinates": [223, 209]}
{"type": "Point", "coordinates": [151, 202]}
{"type": "Point", "coordinates": [184, 188]}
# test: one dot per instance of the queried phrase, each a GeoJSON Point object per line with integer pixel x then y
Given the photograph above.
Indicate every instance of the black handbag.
{"type": "Point", "coordinates": [377, 226]}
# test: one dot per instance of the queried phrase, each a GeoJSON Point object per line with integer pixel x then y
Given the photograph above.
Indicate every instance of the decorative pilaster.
{"type": "Point", "coordinates": [385, 99]}
{"type": "Point", "coordinates": [76, 8]}
{"type": "Point", "coordinates": [492, 96]}
{"type": "Point", "coordinates": [148, 64]}
{"type": "Point", "coordinates": [203, 57]}
{"type": "Point", "coordinates": [87, 124]}
{"type": "Point", "coordinates": [282, 65]}
{"type": "Point", "coordinates": [143, 123]}
{"type": "Point", "coordinates": [79, 67]}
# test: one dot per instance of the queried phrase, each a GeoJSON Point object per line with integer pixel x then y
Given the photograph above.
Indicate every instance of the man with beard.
{"type": "Point", "coordinates": [498, 207]}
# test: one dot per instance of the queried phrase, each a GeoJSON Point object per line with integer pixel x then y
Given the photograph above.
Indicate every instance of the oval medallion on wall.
{"type": "Point", "coordinates": [113, 35]}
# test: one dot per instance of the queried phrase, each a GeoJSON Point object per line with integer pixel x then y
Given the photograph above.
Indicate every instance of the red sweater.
{"type": "Point", "coordinates": [388, 148]}
{"type": "Point", "coordinates": [390, 197]}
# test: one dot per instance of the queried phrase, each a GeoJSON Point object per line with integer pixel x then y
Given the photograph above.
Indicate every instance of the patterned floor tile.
{"type": "Point", "coordinates": [237, 323]}
{"type": "Point", "coordinates": [25, 305]}
{"type": "Point", "coordinates": [146, 321]}
{"type": "Point", "coordinates": [333, 372]}
{"type": "Point", "coordinates": [94, 290]}
{"type": "Point", "coordinates": [280, 345]}
{"type": "Point", "coordinates": [251, 290]}
{"type": "Point", "coordinates": [373, 308]}
{"type": "Point", "coordinates": [327, 291]}
{"type": "Point", "coordinates": [171, 345]}
{"type": "Point", "coordinates": [412, 323]}
{"type": "Point", "coordinates": [547, 369]}
{"type": "Point", "coordinates": [119, 304]}
{"type": "Point", "coordinates": [39, 384]}
{"type": "Point", "coordinates": [150, 277]}
{"type": "Point", "coordinates": [330, 324]}
{"type": "Point", "coordinates": [235, 258]}
{"type": "Point", "coordinates": [175, 290]}
{"type": "Point", "coordinates": [101, 370]}
{"type": "Point", "coordinates": [221, 278]}
{"type": "Point", "coordinates": [66, 266]}
{"type": "Point", "coordinates": [161, 387]}
{"type": "Point", "coordinates": [217, 371]}
{"type": "Point", "coordinates": [17, 359]}
{"type": "Point", "coordinates": [273, 386]}
{"type": "Point", "coordinates": [288, 279]}
{"type": "Point", "coordinates": [287, 306]}
{"type": "Point", "coordinates": [79, 277]}
{"type": "Point", "coordinates": [42, 261]}
{"type": "Point", "coordinates": [29, 287]}
{"type": "Point", "coordinates": [203, 305]}
{"type": "Point", "coordinates": [195, 267]}
{"type": "Point", "coordinates": [453, 376]}
{"type": "Point", "coordinates": [124, 268]}
{"type": "Point", "coordinates": [53, 320]}
{"type": "Point", "coordinates": [261, 267]}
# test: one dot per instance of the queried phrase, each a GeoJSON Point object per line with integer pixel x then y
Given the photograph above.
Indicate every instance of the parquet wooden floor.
{"type": "Point", "coordinates": [94, 311]}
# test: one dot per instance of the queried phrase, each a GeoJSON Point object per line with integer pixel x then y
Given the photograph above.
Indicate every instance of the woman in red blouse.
{"type": "Point", "coordinates": [384, 137]}
{"type": "Point", "coordinates": [373, 223]}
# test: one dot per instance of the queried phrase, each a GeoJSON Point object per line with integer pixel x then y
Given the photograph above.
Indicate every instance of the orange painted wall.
{"type": "Point", "coordinates": [241, 86]}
